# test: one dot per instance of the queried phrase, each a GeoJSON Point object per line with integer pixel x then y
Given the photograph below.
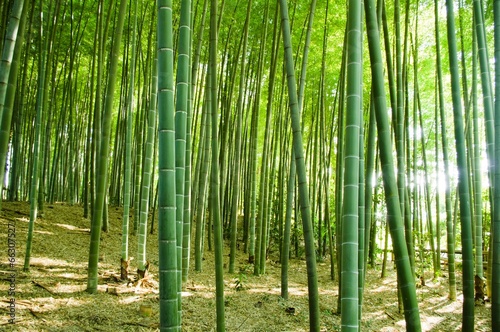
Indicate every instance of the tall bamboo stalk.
{"type": "Point", "coordinates": [406, 279]}
{"type": "Point", "coordinates": [36, 146]}
{"type": "Point", "coordinates": [495, 238]}
{"type": "Point", "coordinates": [124, 263]}
{"type": "Point", "coordinates": [450, 238]}
{"type": "Point", "coordinates": [214, 174]}
{"type": "Point", "coordinates": [463, 184]}
{"type": "Point", "coordinates": [167, 240]}
{"type": "Point", "coordinates": [95, 232]}
{"type": "Point", "coordinates": [312, 281]}
{"type": "Point", "coordinates": [5, 66]}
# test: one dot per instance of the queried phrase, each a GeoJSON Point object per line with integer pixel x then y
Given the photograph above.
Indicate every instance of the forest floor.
{"type": "Point", "coordinates": [52, 296]}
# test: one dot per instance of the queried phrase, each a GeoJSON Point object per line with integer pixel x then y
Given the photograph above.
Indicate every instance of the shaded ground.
{"type": "Point", "coordinates": [52, 297]}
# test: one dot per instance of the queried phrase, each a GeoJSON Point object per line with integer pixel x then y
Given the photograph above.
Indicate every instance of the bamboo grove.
{"type": "Point", "coordinates": [316, 129]}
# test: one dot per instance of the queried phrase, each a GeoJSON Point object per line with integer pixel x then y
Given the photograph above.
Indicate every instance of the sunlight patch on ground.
{"type": "Point", "coordinates": [383, 288]}
{"type": "Point", "coordinates": [64, 288]}
{"type": "Point", "coordinates": [373, 316]}
{"type": "Point", "coordinates": [193, 288]}
{"type": "Point", "coordinates": [297, 291]}
{"type": "Point", "coordinates": [44, 232]}
{"type": "Point", "coordinates": [44, 262]}
{"type": "Point", "coordinates": [402, 324]}
{"type": "Point", "coordinates": [130, 299]}
{"type": "Point", "coordinates": [47, 304]}
{"type": "Point", "coordinates": [102, 288]}
{"type": "Point", "coordinates": [40, 310]}
{"type": "Point", "coordinates": [260, 290]}
{"type": "Point", "coordinates": [390, 329]}
{"type": "Point", "coordinates": [51, 270]}
{"type": "Point", "coordinates": [429, 322]}
{"type": "Point", "coordinates": [387, 284]}
{"type": "Point", "coordinates": [451, 307]}
{"type": "Point", "coordinates": [207, 294]}
{"type": "Point", "coordinates": [73, 228]}
{"type": "Point", "coordinates": [333, 292]}
{"type": "Point", "coordinates": [69, 275]}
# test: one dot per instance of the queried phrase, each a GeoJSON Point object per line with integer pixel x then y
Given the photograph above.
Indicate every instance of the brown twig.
{"type": "Point", "coordinates": [390, 316]}
{"type": "Point", "coordinates": [42, 286]}
{"type": "Point", "coordinates": [35, 314]}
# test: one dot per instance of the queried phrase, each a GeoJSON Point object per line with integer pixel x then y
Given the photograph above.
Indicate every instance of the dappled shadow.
{"type": "Point", "coordinates": [52, 295]}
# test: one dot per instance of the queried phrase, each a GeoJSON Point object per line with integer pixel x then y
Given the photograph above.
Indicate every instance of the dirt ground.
{"type": "Point", "coordinates": [52, 296]}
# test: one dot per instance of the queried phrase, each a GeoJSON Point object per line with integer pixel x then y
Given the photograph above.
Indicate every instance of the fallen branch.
{"type": "Point", "coordinates": [242, 323]}
{"type": "Point", "coordinates": [35, 314]}
{"type": "Point", "coordinates": [42, 286]}
{"type": "Point", "coordinates": [390, 316]}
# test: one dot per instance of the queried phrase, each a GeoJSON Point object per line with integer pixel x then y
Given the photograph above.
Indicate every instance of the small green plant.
{"type": "Point", "coordinates": [239, 281]}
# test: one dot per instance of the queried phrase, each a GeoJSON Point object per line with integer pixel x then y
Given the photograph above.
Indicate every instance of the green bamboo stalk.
{"type": "Point", "coordinates": [326, 149]}
{"type": "Point", "coordinates": [95, 231]}
{"type": "Point", "coordinates": [124, 263]}
{"type": "Point", "coordinates": [139, 148]}
{"type": "Point", "coordinates": [181, 107]}
{"type": "Point", "coordinates": [430, 226]}
{"type": "Point", "coordinates": [476, 172]}
{"type": "Point", "coordinates": [253, 247]}
{"type": "Point", "coordinates": [361, 213]}
{"type": "Point", "coordinates": [450, 239]}
{"type": "Point", "coordinates": [350, 213]}
{"type": "Point", "coordinates": [267, 167]}
{"type": "Point", "coordinates": [312, 281]}
{"type": "Point", "coordinates": [237, 152]}
{"type": "Point", "coordinates": [204, 153]}
{"type": "Point", "coordinates": [399, 125]}
{"type": "Point", "coordinates": [293, 170]}
{"type": "Point", "coordinates": [463, 184]}
{"type": "Point", "coordinates": [214, 174]}
{"type": "Point", "coordinates": [167, 266]}
{"type": "Point", "coordinates": [370, 166]}
{"type": "Point", "coordinates": [186, 231]}
{"type": "Point", "coordinates": [437, 181]}
{"type": "Point", "coordinates": [262, 218]}
{"type": "Point", "coordinates": [394, 105]}
{"type": "Point", "coordinates": [36, 147]}
{"type": "Point", "coordinates": [253, 178]}
{"type": "Point", "coordinates": [405, 276]}
{"type": "Point", "coordinates": [339, 175]}
{"type": "Point", "coordinates": [285, 251]}
{"type": "Point", "coordinates": [5, 66]}
{"type": "Point", "coordinates": [142, 264]}
{"type": "Point", "coordinates": [482, 52]}
{"type": "Point", "coordinates": [495, 238]}
{"type": "Point", "coordinates": [488, 101]}
{"type": "Point", "coordinates": [10, 98]}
